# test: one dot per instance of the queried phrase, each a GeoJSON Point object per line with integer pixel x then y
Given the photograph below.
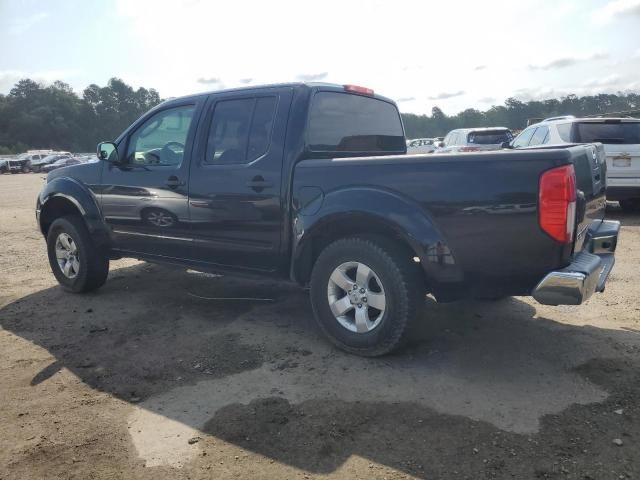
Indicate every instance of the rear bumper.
{"type": "Point", "coordinates": [623, 192]}
{"type": "Point", "coordinates": [588, 271]}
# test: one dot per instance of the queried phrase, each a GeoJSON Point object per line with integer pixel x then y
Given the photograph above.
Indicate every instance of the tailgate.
{"type": "Point", "coordinates": [591, 171]}
{"type": "Point", "coordinates": [623, 161]}
{"type": "Point", "coordinates": [590, 165]}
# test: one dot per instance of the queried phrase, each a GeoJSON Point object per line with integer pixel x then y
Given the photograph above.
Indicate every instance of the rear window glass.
{"type": "Point", "coordinates": [608, 132]}
{"type": "Point", "coordinates": [489, 137]}
{"type": "Point", "coordinates": [340, 122]}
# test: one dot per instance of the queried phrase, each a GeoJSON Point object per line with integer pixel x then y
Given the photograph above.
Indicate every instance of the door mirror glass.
{"type": "Point", "coordinates": [108, 152]}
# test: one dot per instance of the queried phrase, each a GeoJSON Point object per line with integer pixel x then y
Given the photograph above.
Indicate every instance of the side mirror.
{"type": "Point", "coordinates": [108, 151]}
{"type": "Point", "coordinates": [440, 144]}
{"type": "Point", "coordinates": [506, 145]}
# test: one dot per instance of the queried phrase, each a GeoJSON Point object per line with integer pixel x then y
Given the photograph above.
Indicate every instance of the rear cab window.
{"type": "Point", "coordinates": [607, 132]}
{"type": "Point", "coordinates": [489, 137]}
{"type": "Point", "coordinates": [354, 124]}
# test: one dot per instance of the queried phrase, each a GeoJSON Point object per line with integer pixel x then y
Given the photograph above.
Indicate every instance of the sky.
{"type": "Point", "coordinates": [455, 54]}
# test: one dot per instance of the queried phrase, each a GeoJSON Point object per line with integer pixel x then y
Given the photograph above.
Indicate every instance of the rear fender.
{"type": "Point", "coordinates": [365, 210]}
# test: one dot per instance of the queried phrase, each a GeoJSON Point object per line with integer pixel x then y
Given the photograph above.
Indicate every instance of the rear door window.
{"type": "Point", "coordinates": [342, 122]}
{"type": "Point", "coordinates": [608, 132]}
{"type": "Point", "coordinates": [540, 136]}
{"type": "Point", "coordinates": [523, 139]}
{"type": "Point", "coordinates": [240, 130]}
{"type": "Point", "coordinates": [564, 131]}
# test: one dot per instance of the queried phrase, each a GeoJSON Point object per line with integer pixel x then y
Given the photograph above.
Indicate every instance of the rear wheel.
{"type": "Point", "coordinates": [630, 205]}
{"type": "Point", "coordinates": [26, 167]}
{"type": "Point", "coordinates": [366, 294]}
{"type": "Point", "coordinates": [77, 263]}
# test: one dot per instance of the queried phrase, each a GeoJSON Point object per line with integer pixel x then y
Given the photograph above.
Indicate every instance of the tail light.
{"type": "Point", "coordinates": [558, 203]}
{"type": "Point", "coordinates": [358, 89]}
{"type": "Point", "coordinates": [469, 149]}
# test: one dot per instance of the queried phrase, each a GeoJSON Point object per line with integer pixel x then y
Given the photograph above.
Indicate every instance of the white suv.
{"type": "Point", "coordinates": [621, 140]}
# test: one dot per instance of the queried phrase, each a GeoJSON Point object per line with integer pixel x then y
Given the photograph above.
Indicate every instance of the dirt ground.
{"type": "Point", "coordinates": [155, 377]}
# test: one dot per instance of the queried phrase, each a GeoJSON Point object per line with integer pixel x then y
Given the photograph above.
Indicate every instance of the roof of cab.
{"type": "Point", "coordinates": [316, 85]}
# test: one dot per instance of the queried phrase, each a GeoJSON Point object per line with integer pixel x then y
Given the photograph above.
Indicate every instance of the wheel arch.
{"type": "Point", "coordinates": [372, 212]}
{"type": "Point", "coordinates": [65, 196]}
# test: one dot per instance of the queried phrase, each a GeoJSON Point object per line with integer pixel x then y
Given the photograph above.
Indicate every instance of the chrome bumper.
{"type": "Point", "coordinates": [587, 273]}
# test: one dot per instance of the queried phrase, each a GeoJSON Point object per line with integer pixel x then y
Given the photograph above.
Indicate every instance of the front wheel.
{"type": "Point", "coordinates": [366, 294]}
{"type": "Point", "coordinates": [77, 263]}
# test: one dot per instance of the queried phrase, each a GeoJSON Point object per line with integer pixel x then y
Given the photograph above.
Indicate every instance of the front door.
{"type": "Point", "coordinates": [235, 180]}
{"type": "Point", "coordinates": [144, 197]}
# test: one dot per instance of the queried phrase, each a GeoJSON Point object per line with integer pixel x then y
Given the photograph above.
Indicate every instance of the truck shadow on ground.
{"type": "Point", "coordinates": [483, 382]}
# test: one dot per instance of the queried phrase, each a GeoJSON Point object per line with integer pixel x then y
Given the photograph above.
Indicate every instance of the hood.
{"type": "Point", "coordinates": [88, 173]}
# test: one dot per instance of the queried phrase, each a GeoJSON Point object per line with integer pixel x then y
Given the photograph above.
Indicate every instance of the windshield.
{"type": "Point", "coordinates": [611, 132]}
{"type": "Point", "coordinates": [490, 137]}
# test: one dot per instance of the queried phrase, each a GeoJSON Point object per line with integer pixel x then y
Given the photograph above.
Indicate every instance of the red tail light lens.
{"type": "Point", "coordinates": [358, 89]}
{"type": "Point", "coordinates": [469, 149]}
{"type": "Point", "coordinates": [558, 203]}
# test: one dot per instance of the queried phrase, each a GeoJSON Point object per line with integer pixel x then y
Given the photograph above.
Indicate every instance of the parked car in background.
{"type": "Point", "coordinates": [311, 183]}
{"type": "Point", "coordinates": [63, 162]}
{"type": "Point", "coordinates": [421, 145]}
{"type": "Point", "coordinates": [23, 162]}
{"type": "Point", "coordinates": [36, 165]}
{"type": "Point", "coordinates": [475, 139]}
{"type": "Point", "coordinates": [621, 140]}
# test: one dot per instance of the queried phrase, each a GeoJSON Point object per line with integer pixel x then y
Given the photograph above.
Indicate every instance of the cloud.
{"type": "Point", "coordinates": [565, 62]}
{"type": "Point", "coordinates": [312, 77]}
{"type": "Point", "coordinates": [406, 99]}
{"type": "Point", "coordinates": [480, 67]}
{"type": "Point", "coordinates": [209, 81]}
{"type": "Point", "coordinates": [603, 82]}
{"type": "Point", "coordinates": [246, 80]}
{"type": "Point", "coordinates": [490, 100]}
{"type": "Point", "coordinates": [21, 25]}
{"type": "Point", "coordinates": [446, 95]}
{"type": "Point", "coordinates": [616, 9]}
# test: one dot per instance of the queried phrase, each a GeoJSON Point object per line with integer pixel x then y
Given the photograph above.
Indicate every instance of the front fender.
{"type": "Point", "coordinates": [388, 211]}
{"type": "Point", "coordinates": [81, 197]}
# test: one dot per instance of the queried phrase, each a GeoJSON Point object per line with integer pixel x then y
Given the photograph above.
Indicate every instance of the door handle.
{"type": "Point", "coordinates": [258, 183]}
{"type": "Point", "coordinates": [174, 182]}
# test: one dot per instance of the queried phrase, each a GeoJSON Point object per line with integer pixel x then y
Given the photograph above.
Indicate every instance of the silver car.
{"type": "Point", "coordinates": [475, 139]}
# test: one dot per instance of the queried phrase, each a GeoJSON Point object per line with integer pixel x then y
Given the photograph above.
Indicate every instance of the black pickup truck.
{"type": "Point", "coordinates": [311, 183]}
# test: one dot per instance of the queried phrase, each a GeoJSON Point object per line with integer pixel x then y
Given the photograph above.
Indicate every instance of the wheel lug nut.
{"type": "Point", "coordinates": [364, 299]}
{"type": "Point", "coordinates": [359, 305]}
{"type": "Point", "coordinates": [362, 290]}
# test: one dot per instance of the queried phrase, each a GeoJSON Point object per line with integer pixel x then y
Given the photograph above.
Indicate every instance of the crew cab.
{"type": "Point", "coordinates": [311, 183]}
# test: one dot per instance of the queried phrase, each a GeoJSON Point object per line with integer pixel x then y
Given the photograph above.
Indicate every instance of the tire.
{"type": "Point", "coordinates": [92, 267]}
{"type": "Point", "coordinates": [26, 167]}
{"type": "Point", "coordinates": [35, 169]}
{"type": "Point", "coordinates": [401, 284]}
{"type": "Point", "coordinates": [630, 205]}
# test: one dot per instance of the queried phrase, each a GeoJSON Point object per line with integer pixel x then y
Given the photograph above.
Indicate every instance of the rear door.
{"type": "Point", "coordinates": [235, 179]}
{"type": "Point", "coordinates": [621, 140]}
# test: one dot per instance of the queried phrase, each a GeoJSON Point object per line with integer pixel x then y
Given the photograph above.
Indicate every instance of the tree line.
{"type": "Point", "coordinates": [37, 116]}
{"type": "Point", "coordinates": [514, 114]}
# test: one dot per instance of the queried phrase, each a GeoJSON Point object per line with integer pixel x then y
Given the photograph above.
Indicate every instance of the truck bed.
{"type": "Point", "coordinates": [485, 206]}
